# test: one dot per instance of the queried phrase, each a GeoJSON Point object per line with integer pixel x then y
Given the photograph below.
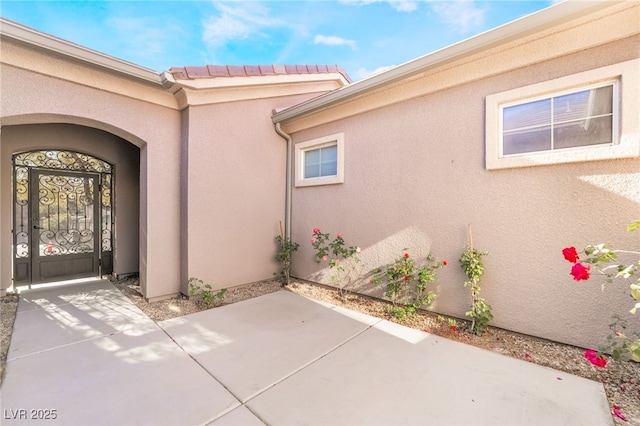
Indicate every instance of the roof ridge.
{"type": "Point", "coordinates": [208, 71]}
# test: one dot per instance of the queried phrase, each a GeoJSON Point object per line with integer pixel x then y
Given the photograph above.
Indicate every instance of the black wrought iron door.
{"type": "Point", "coordinates": [64, 217]}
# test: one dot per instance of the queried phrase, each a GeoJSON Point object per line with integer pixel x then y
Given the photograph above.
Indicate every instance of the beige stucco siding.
{"type": "Point", "coordinates": [211, 167]}
{"type": "Point", "coordinates": [234, 196]}
{"type": "Point", "coordinates": [415, 177]}
{"type": "Point", "coordinates": [29, 97]}
{"type": "Point", "coordinates": [120, 153]}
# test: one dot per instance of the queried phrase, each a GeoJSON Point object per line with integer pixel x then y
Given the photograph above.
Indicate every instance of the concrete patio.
{"type": "Point", "coordinates": [88, 353]}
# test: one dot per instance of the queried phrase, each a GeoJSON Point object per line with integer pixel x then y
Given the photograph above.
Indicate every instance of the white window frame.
{"type": "Point", "coordinates": [300, 149]}
{"type": "Point", "coordinates": [625, 124]}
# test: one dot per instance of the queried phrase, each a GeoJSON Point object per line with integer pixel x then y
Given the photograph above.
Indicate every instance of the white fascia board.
{"type": "Point", "coordinates": [263, 80]}
{"type": "Point", "coordinates": [521, 27]}
{"type": "Point", "coordinates": [29, 36]}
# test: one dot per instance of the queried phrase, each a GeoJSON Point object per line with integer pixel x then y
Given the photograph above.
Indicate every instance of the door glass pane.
{"type": "Point", "coordinates": [66, 220]}
{"type": "Point", "coordinates": [21, 208]}
{"type": "Point", "coordinates": [106, 213]}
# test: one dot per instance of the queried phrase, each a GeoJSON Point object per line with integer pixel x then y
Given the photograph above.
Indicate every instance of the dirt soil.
{"type": "Point", "coordinates": [621, 380]}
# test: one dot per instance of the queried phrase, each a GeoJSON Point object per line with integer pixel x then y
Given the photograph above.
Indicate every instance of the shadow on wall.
{"type": "Point", "coordinates": [357, 274]}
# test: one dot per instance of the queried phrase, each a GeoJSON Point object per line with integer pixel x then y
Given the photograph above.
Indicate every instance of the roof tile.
{"type": "Point", "coordinates": [252, 70]}
{"type": "Point", "coordinates": [280, 69]}
{"type": "Point", "coordinates": [189, 72]}
{"type": "Point", "coordinates": [197, 72]}
{"type": "Point", "coordinates": [236, 70]}
{"type": "Point", "coordinates": [179, 73]}
{"type": "Point", "coordinates": [218, 70]}
{"type": "Point", "coordinates": [267, 69]}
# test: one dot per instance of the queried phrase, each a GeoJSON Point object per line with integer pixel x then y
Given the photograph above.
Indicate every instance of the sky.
{"type": "Point", "coordinates": [362, 36]}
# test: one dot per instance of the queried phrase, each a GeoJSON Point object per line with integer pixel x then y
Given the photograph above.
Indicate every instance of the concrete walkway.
{"type": "Point", "coordinates": [86, 355]}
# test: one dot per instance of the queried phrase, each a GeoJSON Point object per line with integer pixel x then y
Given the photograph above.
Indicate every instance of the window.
{"type": "Point", "coordinates": [569, 120]}
{"type": "Point", "coordinates": [320, 161]}
{"type": "Point", "coordinates": [563, 121]}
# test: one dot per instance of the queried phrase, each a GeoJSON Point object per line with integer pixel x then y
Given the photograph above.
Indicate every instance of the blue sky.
{"type": "Point", "coordinates": [362, 36]}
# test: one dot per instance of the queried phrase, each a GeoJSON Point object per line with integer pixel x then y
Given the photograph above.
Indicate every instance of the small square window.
{"type": "Point", "coordinates": [320, 161]}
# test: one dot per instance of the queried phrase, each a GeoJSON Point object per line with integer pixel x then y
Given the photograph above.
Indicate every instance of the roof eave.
{"type": "Point", "coordinates": [29, 36]}
{"type": "Point", "coordinates": [491, 38]}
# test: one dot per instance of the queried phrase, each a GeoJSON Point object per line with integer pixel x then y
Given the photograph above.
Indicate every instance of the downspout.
{"type": "Point", "coordinates": [287, 194]}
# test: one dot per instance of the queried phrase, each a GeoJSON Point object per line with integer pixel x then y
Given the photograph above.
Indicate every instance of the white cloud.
{"type": "Point", "coordinates": [403, 6]}
{"type": "Point", "coordinates": [463, 15]}
{"type": "Point", "coordinates": [334, 41]}
{"type": "Point", "coordinates": [139, 36]}
{"type": "Point", "coordinates": [398, 5]}
{"type": "Point", "coordinates": [237, 20]}
{"type": "Point", "coordinates": [364, 73]}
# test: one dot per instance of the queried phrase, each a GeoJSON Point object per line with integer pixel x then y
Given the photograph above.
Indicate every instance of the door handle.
{"type": "Point", "coordinates": [38, 227]}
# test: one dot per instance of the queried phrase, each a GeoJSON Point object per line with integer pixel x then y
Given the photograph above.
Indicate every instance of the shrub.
{"type": "Point", "coordinates": [344, 262]}
{"type": "Point", "coordinates": [471, 263]}
{"type": "Point", "coordinates": [606, 262]}
{"type": "Point", "coordinates": [406, 283]}
{"type": "Point", "coordinates": [285, 248]}
{"type": "Point", "coordinates": [206, 292]}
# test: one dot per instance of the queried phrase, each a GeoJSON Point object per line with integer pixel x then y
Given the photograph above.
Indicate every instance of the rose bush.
{"type": "Point", "coordinates": [344, 262]}
{"type": "Point", "coordinates": [406, 282]}
{"type": "Point", "coordinates": [606, 262]}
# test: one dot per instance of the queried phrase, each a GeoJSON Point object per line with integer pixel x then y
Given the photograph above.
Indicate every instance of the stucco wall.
{"type": "Point", "coordinates": [234, 191]}
{"type": "Point", "coordinates": [29, 96]}
{"type": "Point", "coordinates": [415, 177]}
{"type": "Point", "coordinates": [120, 153]}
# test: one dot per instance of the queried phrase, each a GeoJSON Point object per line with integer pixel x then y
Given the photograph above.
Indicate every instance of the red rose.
{"type": "Point", "coordinates": [580, 271]}
{"type": "Point", "coordinates": [406, 255]}
{"type": "Point", "coordinates": [406, 277]}
{"type": "Point", "coordinates": [570, 254]}
{"type": "Point", "coordinates": [594, 359]}
{"type": "Point", "coordinates": [444, 263]}
{"type": "Point", "coordinates": [316, 231]}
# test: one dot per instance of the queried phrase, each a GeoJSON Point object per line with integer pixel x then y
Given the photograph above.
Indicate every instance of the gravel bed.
{"type": "Point", "coordinates": [182, 305]}
{"type": "Point", "coordinates": [8, 308]}
{"type": "Point", "coordinates": [621, 380]}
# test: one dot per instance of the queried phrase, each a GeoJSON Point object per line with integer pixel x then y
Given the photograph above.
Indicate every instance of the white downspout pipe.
{"type": "Point", "coordinates": [287, 195]}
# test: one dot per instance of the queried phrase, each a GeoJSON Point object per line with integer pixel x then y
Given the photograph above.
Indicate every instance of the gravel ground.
{"type": "Point", "coordinates": [9, 305]}
{"type": "Point", "coordinates": [621, 380]}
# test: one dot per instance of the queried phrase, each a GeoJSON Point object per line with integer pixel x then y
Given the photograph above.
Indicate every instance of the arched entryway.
{"type": "Point", "coordinates": [63, 216]}
{"type": "Point", "coordinates": [98, 163]}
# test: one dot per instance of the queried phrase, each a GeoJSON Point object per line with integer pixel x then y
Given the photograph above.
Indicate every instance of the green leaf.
{"type": "Point", "coordinates": [635, 291]}
{"type": "Point", "coordinates": [634, 349]}
{"type": "Point", "coordinates": [633, 226]}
